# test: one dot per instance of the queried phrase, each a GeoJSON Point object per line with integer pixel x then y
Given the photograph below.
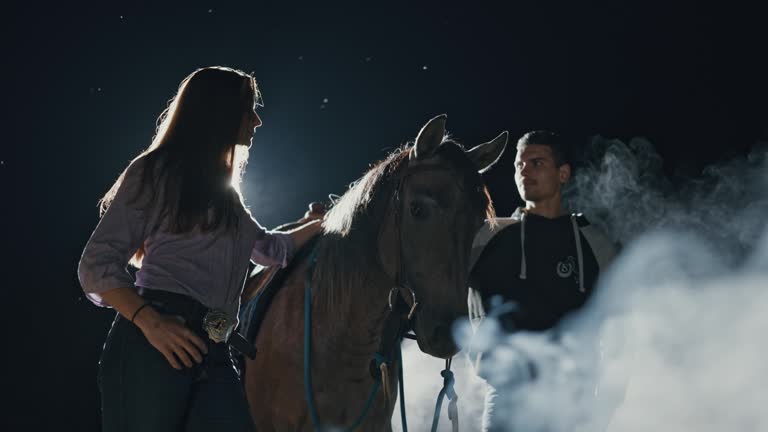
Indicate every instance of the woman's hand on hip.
{"type": "Point", "coordinates": [172, 338]}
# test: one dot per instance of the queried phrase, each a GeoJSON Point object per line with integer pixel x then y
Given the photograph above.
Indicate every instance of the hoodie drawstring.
{"type": "Point", "coordinates": [579, 255]}
{"type": "Point", "coordinates": [523, 272]}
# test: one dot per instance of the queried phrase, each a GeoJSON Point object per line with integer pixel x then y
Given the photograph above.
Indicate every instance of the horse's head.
{"type": "Point", "coordinates": [439, 203]}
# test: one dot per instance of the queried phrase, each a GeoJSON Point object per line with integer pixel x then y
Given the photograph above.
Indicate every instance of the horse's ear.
{"type": "Point", "coordinates": [485, 155]}
{"type": "Point", "coordinates": [429, 139]}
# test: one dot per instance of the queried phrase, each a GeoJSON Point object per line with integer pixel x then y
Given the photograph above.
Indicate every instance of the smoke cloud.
{"type": "Point", "coordinates": [679, 313]}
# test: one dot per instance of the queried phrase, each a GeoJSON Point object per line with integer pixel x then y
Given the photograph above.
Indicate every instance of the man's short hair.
{"type": "Point", "coordinates": [549, 139]}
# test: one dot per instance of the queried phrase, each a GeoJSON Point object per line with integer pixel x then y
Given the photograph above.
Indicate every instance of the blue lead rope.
{"type": "Point", "coordinates": [449, 391]}
{"type": "Point", "coordinates": [403, 422]}
{"type": "Point", "coordinates": [308, 359]}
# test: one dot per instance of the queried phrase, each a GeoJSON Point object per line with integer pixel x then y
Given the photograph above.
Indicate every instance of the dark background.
{"type": "Point", "coordinates": [341, 85]}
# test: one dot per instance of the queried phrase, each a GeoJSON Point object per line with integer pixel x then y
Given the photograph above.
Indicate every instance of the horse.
{"type": "Point", "coordinates": [401, 235]}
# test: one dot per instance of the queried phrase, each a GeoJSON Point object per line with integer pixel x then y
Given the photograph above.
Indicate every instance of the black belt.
{"type": "Point", "coordinates": [194, 314]}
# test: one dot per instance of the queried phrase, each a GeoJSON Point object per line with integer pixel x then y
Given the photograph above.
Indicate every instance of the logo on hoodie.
{"type": "Point", "coordinates": [565, 268]}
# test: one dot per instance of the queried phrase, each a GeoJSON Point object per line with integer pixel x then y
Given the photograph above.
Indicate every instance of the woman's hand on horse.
{"type": "Point", "coordinates": [316, 211]}
{"type": "Point", "coordinates": [174, 340]}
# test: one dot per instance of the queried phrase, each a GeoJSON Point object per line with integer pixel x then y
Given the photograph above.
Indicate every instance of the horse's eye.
{"type": "Point", "coordinates": [418, 211]}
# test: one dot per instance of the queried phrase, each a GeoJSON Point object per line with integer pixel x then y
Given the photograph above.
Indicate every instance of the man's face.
{"type": "Point", "coordinates": [537, 176]}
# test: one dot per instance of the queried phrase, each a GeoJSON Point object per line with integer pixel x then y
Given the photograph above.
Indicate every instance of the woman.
{"type": "Point", "coordinates": [176, 213]}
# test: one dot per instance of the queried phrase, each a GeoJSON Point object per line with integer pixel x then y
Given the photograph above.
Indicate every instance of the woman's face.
{"type": "Point", "coordinates": [251, 121]}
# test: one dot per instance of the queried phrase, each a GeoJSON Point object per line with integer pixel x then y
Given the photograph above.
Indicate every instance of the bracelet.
{"type": "Point", "coordinates": [139, 310]}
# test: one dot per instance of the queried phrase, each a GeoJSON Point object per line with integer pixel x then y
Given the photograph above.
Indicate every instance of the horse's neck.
{"type": "Point", "coordinates": [360, 324]}
{"type": "Point", "coordinates": [352, 330]}
{"type": "Point", "coordinates": [345, 349]}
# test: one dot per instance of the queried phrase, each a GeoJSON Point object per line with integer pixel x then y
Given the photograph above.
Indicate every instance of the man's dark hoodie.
{"type": "Point", "coordinates": [537, 269]}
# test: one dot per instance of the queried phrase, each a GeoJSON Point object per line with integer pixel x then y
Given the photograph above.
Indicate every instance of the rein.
{"type": "Point", "coordinates": [380, 363]}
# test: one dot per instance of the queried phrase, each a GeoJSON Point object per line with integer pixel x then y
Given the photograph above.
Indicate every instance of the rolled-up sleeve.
{"type": "Point", "coordinates": [272, 248]}
{"type": "Point", "coordinates": [119, 234]}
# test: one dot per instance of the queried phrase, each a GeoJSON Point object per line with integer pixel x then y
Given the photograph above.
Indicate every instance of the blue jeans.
{"type": "Point", "coordinates": [140, 391]}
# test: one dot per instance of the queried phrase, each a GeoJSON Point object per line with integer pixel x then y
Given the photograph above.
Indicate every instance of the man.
{"type": "Point", "coordinates": [532, 269]}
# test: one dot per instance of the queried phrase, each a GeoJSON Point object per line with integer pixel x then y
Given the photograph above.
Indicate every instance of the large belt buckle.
{"type": "Point", "coordinates": [218, 325]}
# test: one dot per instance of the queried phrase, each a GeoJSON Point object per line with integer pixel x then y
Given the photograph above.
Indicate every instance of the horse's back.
{"type": "Point", "coordinates": [273, 379]}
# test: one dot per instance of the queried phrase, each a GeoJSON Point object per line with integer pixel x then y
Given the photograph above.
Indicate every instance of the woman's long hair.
{"type": "Point", "coordinates": [194, 157]}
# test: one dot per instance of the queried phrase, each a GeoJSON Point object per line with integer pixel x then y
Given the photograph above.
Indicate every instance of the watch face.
{"type": "Point", "coordinates": [218, 325]}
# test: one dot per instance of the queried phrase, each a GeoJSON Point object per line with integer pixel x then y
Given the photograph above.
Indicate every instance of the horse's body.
{"type": "Point", "coordinates": [408, 222]}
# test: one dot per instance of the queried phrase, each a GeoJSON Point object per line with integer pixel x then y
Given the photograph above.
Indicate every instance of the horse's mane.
{"type": "Point", "coordinates": [356, 200]}
{"type": "Point", "coordinates": [348, 250]}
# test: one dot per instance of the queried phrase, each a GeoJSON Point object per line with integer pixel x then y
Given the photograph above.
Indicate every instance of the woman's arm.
{"type": "Point", "coordinates": [304, 233]}
{"type": "Point", "coordinates": [118, 235]}
{"type": "Point", "coordinates": [276, 248]}
{"type": "Point", "coordinates": [105, 281]}
{"type": "Point", "coordinates": [176, 342]}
